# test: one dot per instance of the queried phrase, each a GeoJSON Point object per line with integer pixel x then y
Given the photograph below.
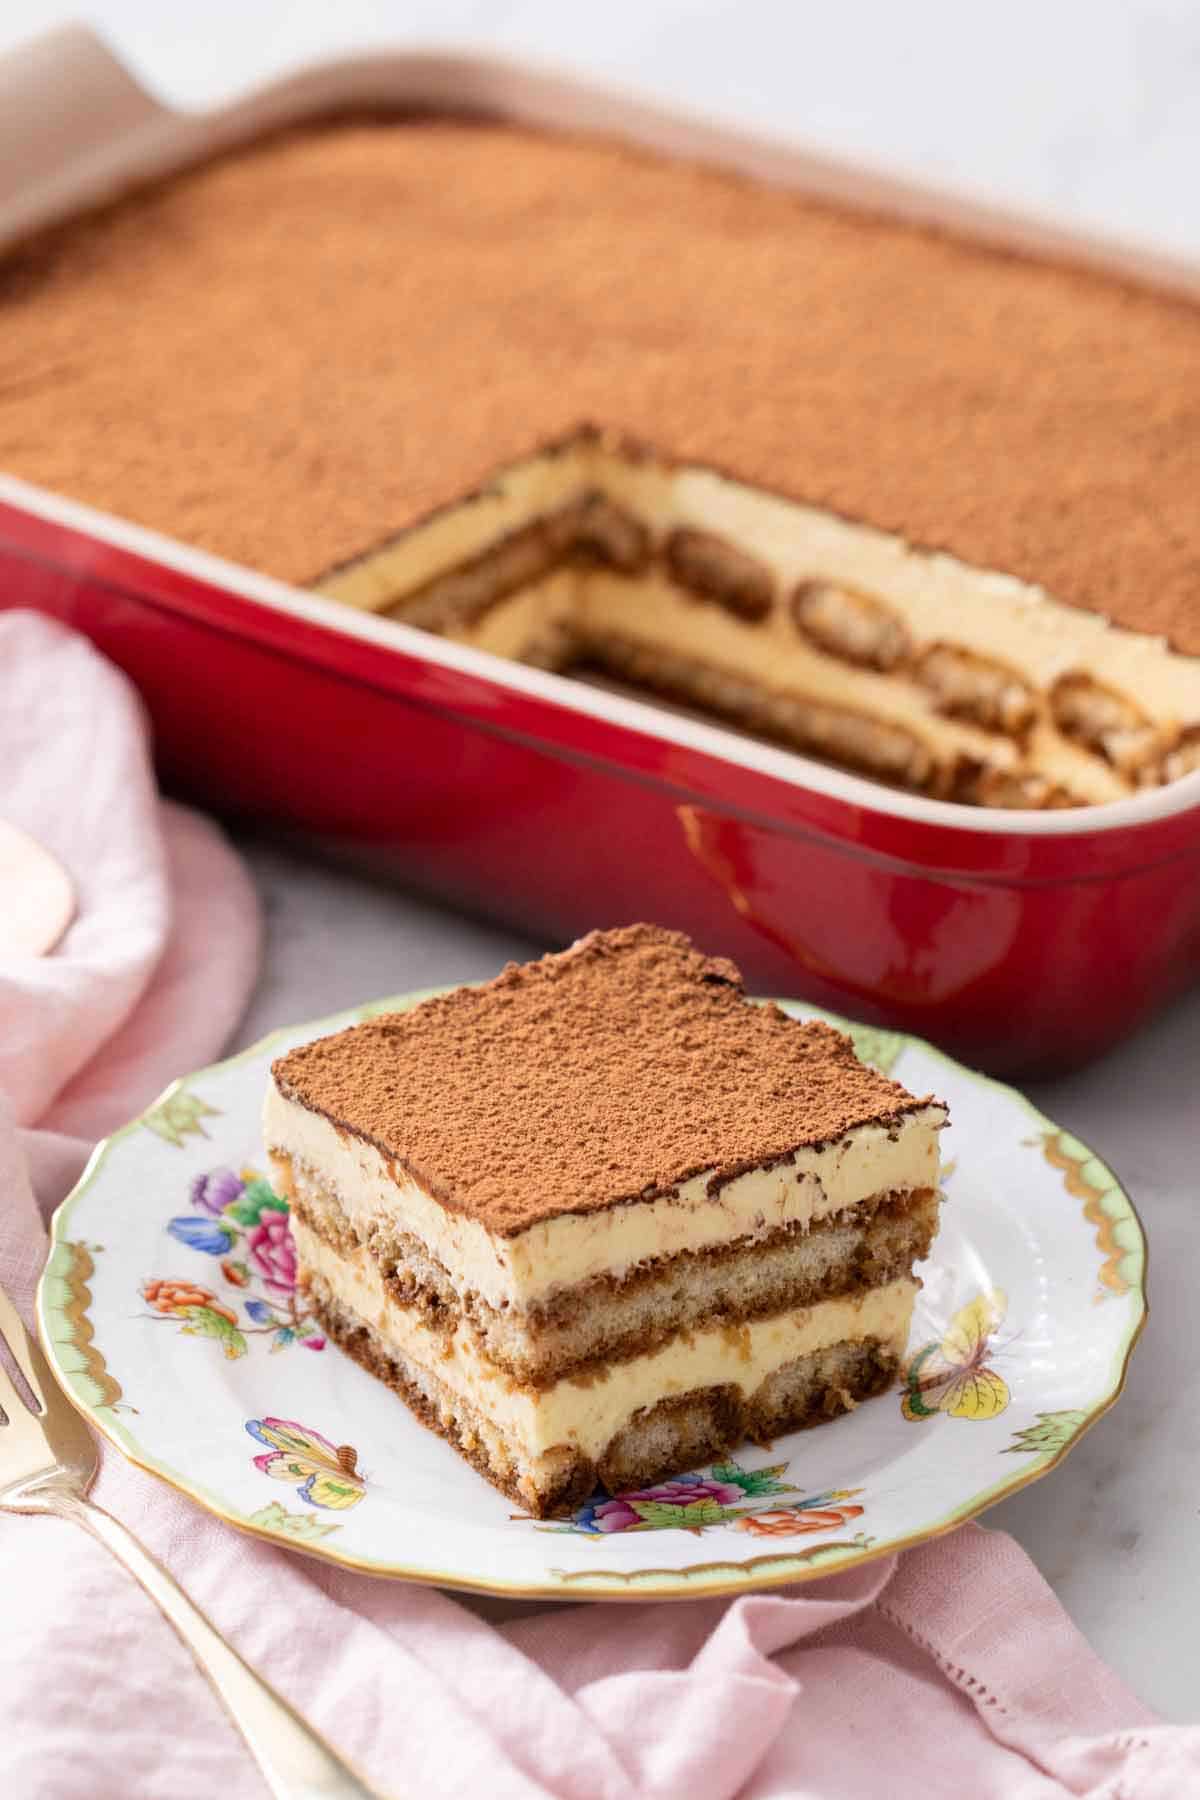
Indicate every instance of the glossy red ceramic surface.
{"type": "Point", "coordinates": [1022, 950]}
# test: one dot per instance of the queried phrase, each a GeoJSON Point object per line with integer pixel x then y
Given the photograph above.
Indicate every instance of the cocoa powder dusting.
{"type": "Point", "coordinates": [608, 1073]}
{"type": "Point", "coordinates": [305, 346]}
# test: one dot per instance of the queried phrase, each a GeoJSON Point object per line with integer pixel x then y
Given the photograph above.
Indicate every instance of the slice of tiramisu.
{"type": "Point", "coordinates": [602, 1218]}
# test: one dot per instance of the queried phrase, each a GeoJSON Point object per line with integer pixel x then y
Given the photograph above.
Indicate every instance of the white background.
{"type": "Point", "coordinates": [1088, 109]}
{"type": "Point", "coordinates": [1088, 106]}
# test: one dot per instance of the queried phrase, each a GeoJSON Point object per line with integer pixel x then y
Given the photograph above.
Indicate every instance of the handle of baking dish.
{"type": "Point", "coordinates": [75, 128]}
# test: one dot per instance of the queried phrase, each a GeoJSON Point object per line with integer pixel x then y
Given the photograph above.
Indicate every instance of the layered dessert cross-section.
{"type": "Point", "coordinates": [597, 555]}
{"type": "Point", "coordinates": [602, 1218]}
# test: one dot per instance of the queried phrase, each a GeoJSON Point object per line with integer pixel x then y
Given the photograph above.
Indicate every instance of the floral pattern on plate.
{"type": "Point", "coordinates": [697, 1502]}
{"type": "Point", "coordinates": [239, 1219]}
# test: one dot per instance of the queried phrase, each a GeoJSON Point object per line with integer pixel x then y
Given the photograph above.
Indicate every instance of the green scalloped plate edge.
{"type": "Point", "coordinates": [81, 1372]}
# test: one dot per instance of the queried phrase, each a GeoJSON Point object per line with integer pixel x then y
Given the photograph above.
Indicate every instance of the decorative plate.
{"type": "Point", "coordinates": [170, 1311]}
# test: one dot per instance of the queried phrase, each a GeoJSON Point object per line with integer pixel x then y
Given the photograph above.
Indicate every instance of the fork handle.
{"type": "Point", "coordinates": [295, 1763]}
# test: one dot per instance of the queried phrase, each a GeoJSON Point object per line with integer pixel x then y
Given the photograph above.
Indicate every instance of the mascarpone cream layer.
{"type": "Point", "coordinates": [939, 598]}
{"type": "Point", "coordinates": [573, 1247]}
{"type": "Point", "coordinates": [654, 613]}
{"type": "Point", "coordinates": [458, 533]}
{"type": "Point", "coordinates": [517, 626]}
{"type": "Point", "coordinates": [587, 1413]}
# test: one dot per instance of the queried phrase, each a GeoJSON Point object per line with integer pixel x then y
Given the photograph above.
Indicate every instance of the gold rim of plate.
{"type": "Point", "coordinates": [694, 1581]}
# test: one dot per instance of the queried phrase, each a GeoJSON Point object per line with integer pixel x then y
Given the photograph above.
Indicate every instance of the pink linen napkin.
{"type": "Point", "coordinates": [949, 1671]}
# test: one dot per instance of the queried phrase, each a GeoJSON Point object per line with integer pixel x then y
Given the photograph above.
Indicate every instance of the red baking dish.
{"type": "Point", "coordinates": [1024, 942]}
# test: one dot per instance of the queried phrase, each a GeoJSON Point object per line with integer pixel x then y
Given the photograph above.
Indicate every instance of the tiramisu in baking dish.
{"type": "Point", "coordinates": [907, 504]}
{"type": "Point", "coordinates": [603, 1218]}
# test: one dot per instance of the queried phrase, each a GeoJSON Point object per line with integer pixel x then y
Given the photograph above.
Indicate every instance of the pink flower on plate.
{"type": "Point", "coordinates": [687, 1490]}
{"type": "Point", "coordinates": [620, 1514]}
{"type": "Point", "coordinates": [271, 1251]}
{"type": "Point", "coordinates": [609, 1515]}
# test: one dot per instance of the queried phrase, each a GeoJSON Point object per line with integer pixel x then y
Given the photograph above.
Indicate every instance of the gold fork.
{"type": "Point", "coordinates": [48, 1460]}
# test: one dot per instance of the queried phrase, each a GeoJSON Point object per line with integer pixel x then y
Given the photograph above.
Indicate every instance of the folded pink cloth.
{"type": "Point", "coordinates": [950, 1671]}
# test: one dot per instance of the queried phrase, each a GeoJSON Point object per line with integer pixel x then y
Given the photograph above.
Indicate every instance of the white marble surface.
{"type": "Point", "coordinates": [1079, 109]}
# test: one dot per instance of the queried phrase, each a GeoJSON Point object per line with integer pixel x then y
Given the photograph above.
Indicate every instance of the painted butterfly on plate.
{"type": "Point", "coordinates": [951, 1376]}
{"type": "Point", "coordinates": [324, 1474]}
